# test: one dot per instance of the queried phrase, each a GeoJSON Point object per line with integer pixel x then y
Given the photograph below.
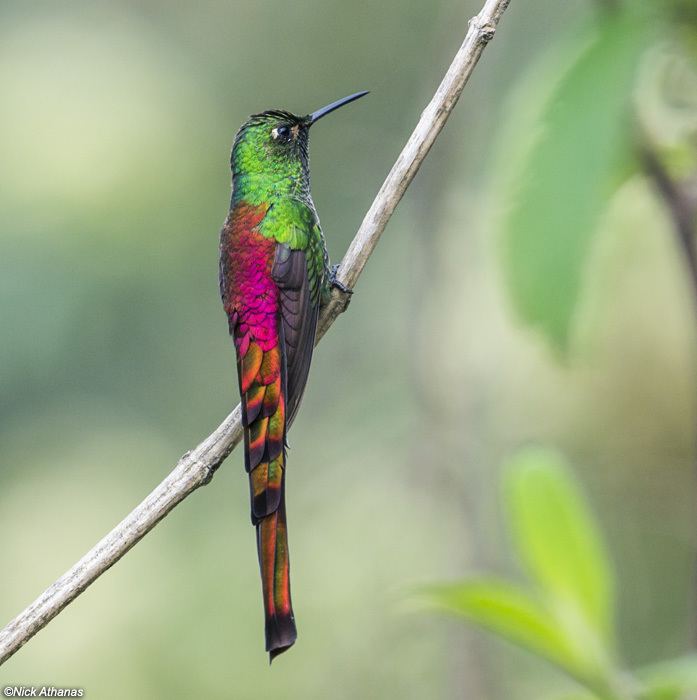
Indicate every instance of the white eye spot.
{"type": "Point", "coordinates": [280, 132]}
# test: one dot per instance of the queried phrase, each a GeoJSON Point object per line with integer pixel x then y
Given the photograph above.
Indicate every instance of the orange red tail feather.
{"type": "Point", "coordinates": [264, 420]}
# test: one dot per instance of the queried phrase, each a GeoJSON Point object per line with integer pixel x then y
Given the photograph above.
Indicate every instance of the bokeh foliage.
{"type": "Point", "coordinates": [567, 613]}
{"type": "Point", "coordinates": [574, 114]}
{"type": "Point", "coordinates": [115, 131]}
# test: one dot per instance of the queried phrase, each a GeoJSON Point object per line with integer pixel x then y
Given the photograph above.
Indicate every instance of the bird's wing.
{"type": "Point", "coordinates": [298, 283]}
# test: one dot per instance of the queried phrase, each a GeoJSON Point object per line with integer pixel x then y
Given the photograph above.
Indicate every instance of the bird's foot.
{"type": "Point", "coordinates": [334, 282]}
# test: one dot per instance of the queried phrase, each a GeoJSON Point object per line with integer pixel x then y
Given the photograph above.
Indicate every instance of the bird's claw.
{"type": "Point", "coordinates": [334, 282]}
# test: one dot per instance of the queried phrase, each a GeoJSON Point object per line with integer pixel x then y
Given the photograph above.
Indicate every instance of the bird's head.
{"type": "Point", "coordinates": [273, 146]}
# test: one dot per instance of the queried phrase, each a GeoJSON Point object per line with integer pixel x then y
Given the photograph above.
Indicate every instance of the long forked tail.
{"type": "Point", "coordinates": [262, 387]}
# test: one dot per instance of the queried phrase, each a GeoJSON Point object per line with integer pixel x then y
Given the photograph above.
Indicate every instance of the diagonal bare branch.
{"type": "Point", "coordinates": [197, 467]}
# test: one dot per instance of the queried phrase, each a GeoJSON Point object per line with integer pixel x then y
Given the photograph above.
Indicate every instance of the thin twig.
{"type": "Point", "coordinates": [679, 204]}
{"type": "Point", "coordinates": [682, 208]}
{"type": "Point", "coordinates": [197, 467]}
{"type": "Point", "coordinates": [679, 200]}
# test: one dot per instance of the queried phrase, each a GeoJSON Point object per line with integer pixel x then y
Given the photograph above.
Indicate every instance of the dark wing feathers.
{"type": "Point", "coordinates": [298, 318]}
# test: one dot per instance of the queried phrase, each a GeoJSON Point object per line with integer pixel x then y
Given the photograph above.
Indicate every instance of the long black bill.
{"type": "Point", "coordinates": [335, 105]}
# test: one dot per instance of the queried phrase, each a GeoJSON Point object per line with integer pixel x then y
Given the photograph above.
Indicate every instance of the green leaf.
{"type": "Point", "coordinates": [669, 680]}
{"type": "Point", "coordinates": [509, 612]}
{"type": "Point", "coordinates": [562, 548]}
{"type": "Point", "coordinates": [568, 145]}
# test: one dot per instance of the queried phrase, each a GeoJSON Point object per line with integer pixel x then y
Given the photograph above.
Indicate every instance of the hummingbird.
{"type": "Point", "coordinates": [274, 278]}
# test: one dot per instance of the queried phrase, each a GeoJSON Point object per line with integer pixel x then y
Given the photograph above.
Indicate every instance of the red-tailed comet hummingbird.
{"type": "Point", "coordinates": [274, 278]}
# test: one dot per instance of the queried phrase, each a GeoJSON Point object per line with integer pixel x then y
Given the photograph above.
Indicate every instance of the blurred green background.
{"type": "Point", "coordinates": [475, 329]}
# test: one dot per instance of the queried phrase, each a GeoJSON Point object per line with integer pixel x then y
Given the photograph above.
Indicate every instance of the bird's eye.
{"type": "Point", "coordinates": [281, 133]}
